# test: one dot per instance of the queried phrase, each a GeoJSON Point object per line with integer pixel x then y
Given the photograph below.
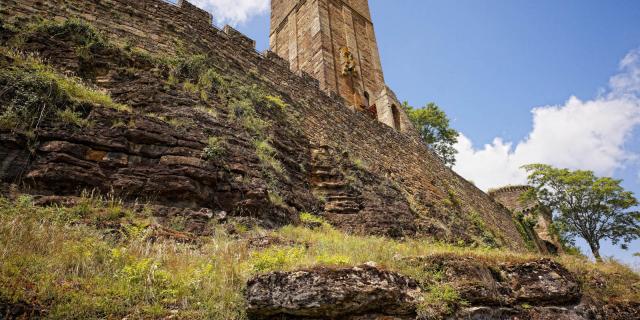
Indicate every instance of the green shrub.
{"type": "Point", "coordinates": [306, 217]}
{"type": "Point", "coordinates": [69, 116]}
{"type": "Point", "coordinates": [440, 300]}
{"type": "Point", "coordinates": [214, 149]}
{"type": "Point", "coordinates": [190, 67]}
{"type": "Point", "coordinates": [487, 236]}
{"type": "Point", "coordinates": [199, 76]}
{"type": "Point", "coordinates": [275, 198]}
{"type": "Point", "coordinates": [85, 38]}
{"type": "Point", "coordinates": [34, 92]}
{"type": "Point", "coordinates": [275, 258]}
{"type": "Point", "coordinates": [74, 30]}
{"type": "Point", "coordinates": [360, 164]}
{"type": "Point", "coordinates": [333, 260]}
{"type": "Point", "coordinates": [275, 101]}
{"type": "Point", "coordinates": [267, 155]}
{"type": "Point", "coordinates": [210, 80]}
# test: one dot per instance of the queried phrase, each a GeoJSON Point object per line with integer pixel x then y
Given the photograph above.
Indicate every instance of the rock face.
{"type": "Point", "coordinates": [379, 181]}
{"type": "Point", "coordinates": [541, 282]}
{"type": "Point", "coordinates": [331, 294]}
{"type": "Point", "coordinates": [537, 290]}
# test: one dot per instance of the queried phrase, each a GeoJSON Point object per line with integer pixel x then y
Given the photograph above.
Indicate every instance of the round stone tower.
{"type": "Point", "coordinates": [512, 198]}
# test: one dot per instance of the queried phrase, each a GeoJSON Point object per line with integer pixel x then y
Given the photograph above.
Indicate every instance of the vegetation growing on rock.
{"type": "Point", "coordinates": [94, 257]}
{"type": "Point", "coordinates": [189, 251]}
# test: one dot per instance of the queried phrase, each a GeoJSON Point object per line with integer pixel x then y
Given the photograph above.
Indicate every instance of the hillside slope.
{"type": "Point", "coordinates": [210, 125]}
{"type": "Point", "coordinates": [96, 258]}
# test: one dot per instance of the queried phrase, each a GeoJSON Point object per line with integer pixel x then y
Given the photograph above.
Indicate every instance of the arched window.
{"type": "Point", "coordinates": [396, 117]}
{"type": "Point", "coordinates": [367, 102]}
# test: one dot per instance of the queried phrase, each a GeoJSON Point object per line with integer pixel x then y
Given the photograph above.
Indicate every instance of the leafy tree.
{"type": "Point", "coordinates": [587, 206]}
{"type": "Point", "coordinates": [433, 125]}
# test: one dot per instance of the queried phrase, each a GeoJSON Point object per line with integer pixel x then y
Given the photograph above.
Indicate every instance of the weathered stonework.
{"type": "Point", "coordinates": [400, 187]}
{"type": "Point", "coordinates": [334, 41]}
{"type": "Point", "coordinates": [511, 197]}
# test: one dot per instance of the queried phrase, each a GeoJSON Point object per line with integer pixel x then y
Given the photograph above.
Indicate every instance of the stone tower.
{"type": "Point", "coordinates": [511, 198]}
{"type": "Point", "coordinates": [334, 41]}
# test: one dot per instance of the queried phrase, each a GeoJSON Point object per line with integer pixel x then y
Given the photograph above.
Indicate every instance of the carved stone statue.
{"type": "Point", "coordinates": [348, 62]}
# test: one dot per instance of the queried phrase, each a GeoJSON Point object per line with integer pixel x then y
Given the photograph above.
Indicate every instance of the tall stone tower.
{"type": "Point", "coordinates": [334, 41]}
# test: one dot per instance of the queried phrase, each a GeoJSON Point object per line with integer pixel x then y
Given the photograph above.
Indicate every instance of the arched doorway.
{"type": "Point", "coordinates": [367, 101]}
{"type": "Point", "coordinates": [396, 117]}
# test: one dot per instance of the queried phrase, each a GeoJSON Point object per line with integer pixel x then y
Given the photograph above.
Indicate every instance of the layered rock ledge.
{"type": "Point", "coordinates": [541, 289]}
{"type": "Point", "coordinates": [327, 293]}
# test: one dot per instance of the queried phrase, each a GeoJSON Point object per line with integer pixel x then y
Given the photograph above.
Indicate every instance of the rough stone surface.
{"type": "Point", "coordinates": [536, 290]}
{"type": "Point", "coordinates": [331, 293]}
{"type": "Point", "coordinates": [511, 198]}
{"type": "Point", "coordinates": [538, 282]}
{"type": "Point", "coordinates": [541, 282]}
{"type": "Point", "coordinates": [402, 189]}
{"type": "Point", "coordinates": [312, 36]}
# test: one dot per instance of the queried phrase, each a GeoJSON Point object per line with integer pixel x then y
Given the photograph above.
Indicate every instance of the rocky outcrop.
{"type": "Point", "coordinates": [331, 294]}
{"type": "Point", "coordinates": [537, 290]}
{"type": "Point", "coordinates": [541, 282]}
{"type": "Point", "coordinates": [19, 310]}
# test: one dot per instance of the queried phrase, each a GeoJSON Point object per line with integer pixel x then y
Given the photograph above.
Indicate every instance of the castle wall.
{"type": "Point", "coordinates": [162, 27]}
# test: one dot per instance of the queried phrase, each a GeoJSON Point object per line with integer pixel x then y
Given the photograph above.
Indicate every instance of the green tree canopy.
{"type": "Point", "coordinates": [433, 125]}
{"type": "Point", "coordinates": [593, 208]}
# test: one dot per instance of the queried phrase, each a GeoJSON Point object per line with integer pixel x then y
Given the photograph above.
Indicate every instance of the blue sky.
{"type": "Point", "coordinates": [524, 81]}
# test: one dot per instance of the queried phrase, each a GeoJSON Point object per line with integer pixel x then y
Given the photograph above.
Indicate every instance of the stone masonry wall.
{"type": "Point", "coordinates": [310, 35]}
{"type": "Point", "coordinates": [510, 197]}
{"type": "Point", "coordinates": [439, 198]}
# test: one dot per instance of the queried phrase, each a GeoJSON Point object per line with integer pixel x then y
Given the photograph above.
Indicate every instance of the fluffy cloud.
{"type": "Point", "coordinates": [233, 11]}
{"type": "Point", "coordinates": [577, 134]}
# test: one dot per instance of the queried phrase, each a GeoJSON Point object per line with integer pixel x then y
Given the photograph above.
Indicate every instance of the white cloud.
{"type": "Point", "coordinates": [577, 134]}
{"type": "Point", "coordinates": [233, 11]}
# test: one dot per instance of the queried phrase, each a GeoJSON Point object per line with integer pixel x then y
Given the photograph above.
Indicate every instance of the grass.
{"type": "Point", "coordinates": [199, 76]}
{"type": "Point", "coordinates": [275, 198]}
{"type": "Point", "coordinates": [267, 155]}
{"type": "Point", "coordinates": [487, 236]}
{"type": "Point", "coordinates": [275, 101]}
{"type": "Point", "coordinates": [95, 260]}
{"type": "Point", "coordinates": [30, 70]}
{"type": "Point", "coordinates": [440, 299]}
{"type": "Point", "coordinates": [214, 149]}
{"type": "Point", "coordinates": [77, 31]}
{"type": "Point", "coordinates": [71, 117]}
{"type": "Point", "coordinates": [78, 272]}
{"type": "Point", "coordinates": [308, 218]}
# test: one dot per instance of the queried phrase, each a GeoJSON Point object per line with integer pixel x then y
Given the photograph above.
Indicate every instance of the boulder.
{"type": "Point", "coordinates": [331, 293]}
{"type": "Point", "coordinates": [541, 282]}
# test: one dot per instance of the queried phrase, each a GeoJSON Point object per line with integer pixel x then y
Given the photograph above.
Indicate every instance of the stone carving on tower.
{"type": "Point", "coordinates": [334, 41]}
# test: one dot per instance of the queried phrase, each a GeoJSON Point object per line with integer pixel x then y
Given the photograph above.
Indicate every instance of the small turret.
{"type": "Point", "coordinates": [512, 198]}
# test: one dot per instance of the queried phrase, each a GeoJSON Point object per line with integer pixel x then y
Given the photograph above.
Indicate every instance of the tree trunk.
{"type": "Point", "coordinates": [595, 249]}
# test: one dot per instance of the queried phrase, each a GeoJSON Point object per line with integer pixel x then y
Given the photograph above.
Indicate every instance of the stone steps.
{"type": "Point", "coordinates": [328, 182]}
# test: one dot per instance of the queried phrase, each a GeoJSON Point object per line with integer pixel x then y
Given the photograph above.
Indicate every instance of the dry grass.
{"type": "Point", "coordinates": [74, 87]}
{"type": "Point", "coordinates": [66, 261]}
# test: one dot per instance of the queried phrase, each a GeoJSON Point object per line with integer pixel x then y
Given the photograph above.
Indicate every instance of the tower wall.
{"type": "Point", "coordinates": [511, 198]}
{"type": "Point", "coordinates": [310, 34]}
